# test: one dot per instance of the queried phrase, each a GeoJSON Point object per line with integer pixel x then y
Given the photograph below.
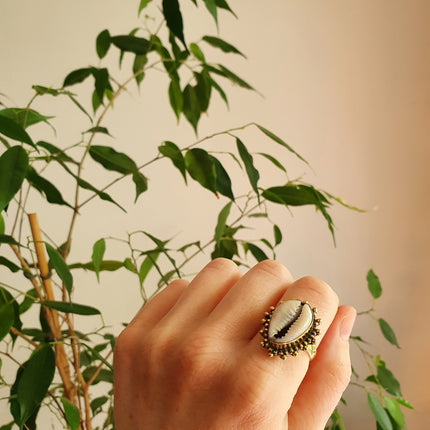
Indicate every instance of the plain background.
{"type": "Point", "coordinates": [345, 83]}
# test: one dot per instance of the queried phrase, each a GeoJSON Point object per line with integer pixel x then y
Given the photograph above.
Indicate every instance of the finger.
{"type": "Point", "coordinates": [156, 308]}
{"type": "Point", "coordinates": [327, 377]}
{"type": "Point", "coordinates": [287, 375]}
{"type": "Point", "coordinates": [238, 314]}
{"type": "Point", "coordinates": [203, 294]}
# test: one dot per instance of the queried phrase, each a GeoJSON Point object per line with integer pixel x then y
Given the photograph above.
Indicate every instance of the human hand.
{"type": "Point", "coordinates": [192, 359]}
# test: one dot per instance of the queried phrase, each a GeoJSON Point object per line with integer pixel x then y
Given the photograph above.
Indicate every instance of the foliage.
{"type": "Point", "coordinates": [63, 364]}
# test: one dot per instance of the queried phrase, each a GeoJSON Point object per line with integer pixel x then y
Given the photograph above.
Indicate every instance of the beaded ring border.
{"type": "Point", "coordinates": [290, 327]}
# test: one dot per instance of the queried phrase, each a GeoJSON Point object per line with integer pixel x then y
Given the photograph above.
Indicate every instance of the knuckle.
{"type": "Point", "coordinates": [125, 347]}
{"type": "Point", "coordinates": [192, 357]}
{"type": "Point", "coordinates": [274, 269]}
{"type": "Point", "coordinates": [320, 288]}
{"type": "Point", "coordinates": [223, 264]}
{"type": "Point", "coordinates": [197, 363]}
{"type": "Point", "coordinates": [178, 283]}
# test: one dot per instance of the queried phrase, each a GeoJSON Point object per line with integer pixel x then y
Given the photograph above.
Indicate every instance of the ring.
{"type": "Point", "coordinates": [289, 328]}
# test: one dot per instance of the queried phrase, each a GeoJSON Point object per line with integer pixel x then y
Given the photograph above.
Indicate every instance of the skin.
{"type": "Point", "coordinates": [192, 359]}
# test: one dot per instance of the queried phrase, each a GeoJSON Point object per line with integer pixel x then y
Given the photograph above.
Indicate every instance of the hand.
{"type": "Point", "coordinates": [192, 359]}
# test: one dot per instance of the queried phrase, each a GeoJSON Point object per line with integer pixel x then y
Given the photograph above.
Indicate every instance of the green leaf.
{"type": "Point", "coordinates": [36, 377]}
{"type": "Point", "coordinates": [373, 284]}
{"type": "Point", "coordinates": [103, 42]}
{"type": "Point", "coordinates": [294, 195]}
{"type": "Point", "coordinates": [222, 44]}
{"type": "Point", "coordinates": [379, 412]}
{"type": "Point", "coordinates": [46, 188]}
{"type": "Point", "coordinates": [95, 101]}
{"type": "Point", "coordinates": [5, 238]}
{"type": "Point", "coordinates": [191, 105]}
{"type": "Point", "coordinates": [388, 332]}
{"type": "Point", "coordinates": [201, 168]}
{"type": "Point", "coordinates": [197, 52]}
{"type": "Point", "coordinates": [277, 139]}
{"type": "Point", "coordinates": [212, 8]}
{"type": "Point", "coordinates": [97, 403]}
{"type": "Point", "coordinates": [203, 89]}
{"type": "Point", "coordinates": [138, 66]}
{"type": "Point", "coordinates": [112, 160]}
{"type": "Point", "coordinates": [77, 76]}
{"type": "Point", "coordinates": [252, 172]}
{"type": "Point", "coordinates": [395, 412]}
{"type": "Point", "coordinates": [344, 204]}
{"type": "Point", "coordinates": [24, 117]}
{"type": "Point", "coordinates": [60, 266]}
{"type": "Point", "coordinates": [142, 5]}
{"type": "Point", "coordinates": [223, 181]}
{"type": "Point", "coordinates": [404, 402]}
{"type": "Point", "coordinates": [169, 63]}
{"type": "Point", "coordinates": [98, 129]}
{"type": "Point", "coordinates": [13, 169]}
{"type": "Point", "coordinates": [257, 252]}
{"type": "Point", "coordinates": [232, 77]}
{"type": "Point", "coordinates": [102, 84]}
{"type": "Point", "coordinates": [104, 196]}
{"type": "Point", "coordinates": [176, 98]}
{"type": "Point", "coordinates": [9, 264]}
{"type": "Point", "coordinates": [71, 308]}
{"type": "Point", "coordinates": [273, 160]}
{"type": "Point", "coordinates": [104, 375]}
{"type": "Point", "coordinates": [2, 225]}
{"type": "Point", "coordinates": [141, 183]}
{"type": "Point", "coordinates": [7, 312]}
{"type": "Point", "coordinates": [221, 224]}
{"type": "Point", "coordinates": [11, 129]}
{"type": "Point", "coordinates": [99, 249]}
{"type": "Point", "coordinates": [173, 17]}
{"type": "Point", "coordinates": [220, 91]}
{"type": "Point", "coordinates": [29, 299]}
{"type": "Point", "coordinates": [222, 4]}
{"type": "Point", "coordinates": [73, 416]}
{"type": "Point", "coordinates": [147, 264]}
{"type": "Point", "coordinates": [162, 248]}
{"type": "Point", "coordinates": [300, 195]}
{"type": "Point", "coordinates": [56, 153]}
{"type": "Point", "coordinates": [177, 53]}
{"type": "Point", "coordinates": [129, 43]}
{"type": "Point", "coordinates": [106, 265]}
{"type": "Point", "coordinates": [170, 150]}
{"type": "Point", "coordinates": [278, 234]}
{"type": "Point", "coordinates": [41, 91]}
{"type": "Point", "coordinates": [189, 245]}
{"type": "Point", "coordinates": [388, 380]}
{"type": "Point", "coordinates": [96, 353]}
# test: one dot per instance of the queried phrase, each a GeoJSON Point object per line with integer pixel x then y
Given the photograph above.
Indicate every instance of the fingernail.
{"type": "Point", "coordinates": [346, 326]}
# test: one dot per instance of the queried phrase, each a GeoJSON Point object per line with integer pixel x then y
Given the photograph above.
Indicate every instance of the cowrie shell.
{"type": "Point", "coordinates": [290, 327]}
{"type": "Point", "coordinates": [290, 320]}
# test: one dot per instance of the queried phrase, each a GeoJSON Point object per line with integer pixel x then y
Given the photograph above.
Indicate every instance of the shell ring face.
{"type": "Point", "coordinates": [289, 328]}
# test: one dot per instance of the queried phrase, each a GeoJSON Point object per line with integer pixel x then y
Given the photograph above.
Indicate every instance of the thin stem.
{"type": "Point", "coordinates": [160, 156]}
{"type": "Point", "coordinates": [16, 332]}
{"type": "Point", "coordinates": [98, 369]}
{"type": "Point", "coordinates": [6, 354]}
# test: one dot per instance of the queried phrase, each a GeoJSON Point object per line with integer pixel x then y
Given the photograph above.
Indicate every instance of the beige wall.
{"type": "Point", "coordinates": [346, 83]}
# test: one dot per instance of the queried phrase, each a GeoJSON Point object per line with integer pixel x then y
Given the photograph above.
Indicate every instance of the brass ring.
{"type": "Point", "coordinates": [289, 328]}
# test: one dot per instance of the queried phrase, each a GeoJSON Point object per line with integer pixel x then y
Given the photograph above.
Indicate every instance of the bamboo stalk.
{"type": "Point", "coordinates": [60, 352]}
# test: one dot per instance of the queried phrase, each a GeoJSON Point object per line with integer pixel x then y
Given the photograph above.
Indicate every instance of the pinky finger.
{"type": "Point", "coordinates": [327, 377]}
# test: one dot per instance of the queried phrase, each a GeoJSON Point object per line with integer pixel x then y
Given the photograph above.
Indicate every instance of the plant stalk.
{"type": "Point", "coordinates": [50, 314]}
